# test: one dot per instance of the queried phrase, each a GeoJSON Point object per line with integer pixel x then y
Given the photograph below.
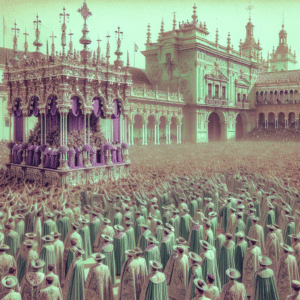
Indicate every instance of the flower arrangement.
{"type": "Point", "coordinates": [24, 146]}
{"type": "Point", "coordinates": [107, 146]}
{"type": "Point", "coordinates": [86, 147]}
{"type": "Point", "coordinates": [72, 152]}
{"type": "Point", "coordinates": [47, 151]}
{"type": "Point", "coordinates": [63, 149]}
{"type": "Point", "coordinates": [124, 146]}
{"type": "Point", "coordinates": [10, 145]}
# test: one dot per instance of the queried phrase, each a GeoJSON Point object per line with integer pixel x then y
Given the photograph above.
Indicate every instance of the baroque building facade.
{"type": "Point", "coordinates": [192, 89]}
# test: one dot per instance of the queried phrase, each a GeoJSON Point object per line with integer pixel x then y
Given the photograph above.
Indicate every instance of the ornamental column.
{"type": "Point", "coordinates": [257, 123]}
{"type": "Point", "coordinates": [24, 119]}
{"type": "Point", "coordinates": [286, 123]}
{"type": "Point", "coordinates": [156, 133]}
{"type": "Point", "coordinates": [129, 134]}
{"type": "Point", "coordinates": [132, 133]}
{"type": "Point", "coordinates": [145, 133]}
{"type": "Point", "coordinates": [276, 123]}
{"type": "Point", "coordinates": [266, 123]}
{"type": "Point", "coordinates": [84, 127]}
{"type": "Point", "coordinates": [89, 134]}
{"type": "Point", "coordinates": [168, 133]}
{"type": "Point", "coordinates": [179, 132]}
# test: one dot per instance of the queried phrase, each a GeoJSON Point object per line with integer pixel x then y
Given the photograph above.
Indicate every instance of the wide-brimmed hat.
{"type": "Point", "coordinates": [272, 227]}
{"type": "Point", "coordinates": [76, 225]}
{"type": "Point", "coordinates": [251, 239]}
{"type": "Point", "coordinates": [181, 240]}
{"type": "Point", "coordinates": [155, 264]}
{"type": "Point", "coordinates": [195, 257]}
{"type": "Point", "coordinates": [98, 256]}
{"type": "Point", "coordinates": [106, 221]}
{"type": "Point", "coordinates": [295, 284]}
{"type": "Point", "coordinates": [254, 218]}
{"type": "Point", "coordinates": [29, 243]}
{"type": "Point", "coordinates": [138, 250]}
{"type": "Point", "coordinates": [37, 263]}
{"type": "Point", "coordinates": [200, 284]}
{"type": "Point", "coordinates": [294, 236]}
{"type": "Point", "coordinates": [212, 214]}
{"type": "Point", "coordinates": [119, 227]}
{"type": "Point", "coordinates": [171, 227]}
{"type": "Point", "coordinates": [48, 238]}
{"type": "Point", "coordinates": [84, 221]}
{"type": "Point", "coordinates": [107, 238]}
{"type": "Point", "coordinates": [233, 273]}
{"type": "Point", "coordinates": [264, 260]}
{"type": "Point", "coordinates": [152, 239]}
{"type": "Point", "coordinates": [9, 281]}
{"type": "Point", "coordinates": [56, 234]}
{"type": "Point", "coordinates": [130, 252]}
{"type": "Point", "coordinates": [228, 235]}
{"type": "Point", "coordinates": [206, 245]}
{"type": "Point", "coordinates": [80, 250]}
{"type": "Point", "coordinates": [144, 226]}
{"type": "Point", "coordinates": [240, 234]}
{"type": "Point", "coordinates": [49, 215]}
{"type": "Point", "coordinates": [179, 247]}
{"type": "Point", "coordinates": [4, 247]}
{"type": "Point", "coordinates": [287, 247]}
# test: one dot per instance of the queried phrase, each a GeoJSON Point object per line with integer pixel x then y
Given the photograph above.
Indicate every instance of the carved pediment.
{"type": "Point", "coordinates": [216, 74]}
{"type": "Point", "coordinates": [242, 81]}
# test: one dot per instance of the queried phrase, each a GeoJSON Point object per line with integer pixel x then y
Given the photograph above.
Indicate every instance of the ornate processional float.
{"type": "Point", "coordinates": [79, 100]}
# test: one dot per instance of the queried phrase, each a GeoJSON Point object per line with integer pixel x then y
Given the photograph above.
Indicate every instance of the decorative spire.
{"type": "Point", "coordinates": [37, 43]}
{"type": "Point", "coordinates": [249, 8]}
{"type": "Point", "coordinates": [240, 47]}
{"type": "Point", "coordinates": [62, 18]}
{"type": "Point", "coordinates": [15, 40]}
{"type": "Point", "coordinates": [119, 53]}
{"type": "Point", "coordinates": [162, 26]}
{"type": "Point", "coordinates": [98, 50]}
{"type": "Point", "coordinates": [26, 44]}
{"type": "Point", "coordinates": [108, 48]}
{"type": "Point", "coordinates": [174, 20]}
{"type": "Point", "coordinates": [258, 42]}
{"type": "Point", "coordinates": [53, 45]}
{"type": "Point", "coordinates": [127, 58]}
{"type": "Point", "coordinates": [71, 43]}
{"type": "Point", "coordinates": [148, 34]}
{"type": "Point", "coordinates": [282, 19]}
{"type": "Point", "coordinates": [194, 16]}
{"type": "Point", "coordinates": [217, 36]}
{"type": "Point", "coordinates": [228, 41]}
{"type": "Point", "coordinates": [85, 40]}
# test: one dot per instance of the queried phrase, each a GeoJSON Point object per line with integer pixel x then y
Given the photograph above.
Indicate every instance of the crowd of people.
{"type": "Point", "coordinates": [228, 236]}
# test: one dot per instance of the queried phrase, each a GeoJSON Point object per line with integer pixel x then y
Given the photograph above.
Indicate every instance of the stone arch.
{"type": "Point", "coordinates": [271, 120]}
{"type": "Point", "coordinates": [173, 129]}
{"type": "Point", "coordinates": [261, 119]}
{"type": "Point", "coordinates": [151, 128]}
{"type": "Point", "coordinates": [138, 129]}
{"type": "Point", "coordinates": [281, 120]}
{"type": "Point", "coordinates": [214, 127]}
{"type": "Point", "coordinates": [291, 119]}
{"type": "Point", "coordinates": [242, 125]}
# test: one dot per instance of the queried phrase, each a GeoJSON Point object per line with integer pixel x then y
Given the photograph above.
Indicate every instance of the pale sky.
{"type": "Point", "coordinates": [134, 16]}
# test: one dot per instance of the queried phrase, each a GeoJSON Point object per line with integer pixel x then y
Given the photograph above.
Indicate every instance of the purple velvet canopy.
{"type": "Point", "coordinates": [75, 116]}
{"type": "Point", "coordinates": [35, 107]}
{"type": "Point", "coordinates": [116, 122]}
{"type": "Point", "coordinates": [18, 121]}
{"type": "Point", "coordinates": [52, 115]}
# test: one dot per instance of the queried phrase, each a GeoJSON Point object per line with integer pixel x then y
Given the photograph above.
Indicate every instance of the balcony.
{"type": "Point", "coordinates": [242, 105]}
{"type": "Point", "coordinates": [151, 94]}
{"type": "Point", "coordinates": [277, 102]}
{"type": "Point", "coordinates": [216, 101]}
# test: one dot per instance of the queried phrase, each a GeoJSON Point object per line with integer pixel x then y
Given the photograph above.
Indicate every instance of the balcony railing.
{"type": "Point", "coordinates": [143, 92]}
{"type": "Point", "coordinates": [276, 102]}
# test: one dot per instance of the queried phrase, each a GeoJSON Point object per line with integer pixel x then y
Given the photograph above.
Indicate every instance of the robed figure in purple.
{"type": "Point", "coordinates": [71, 157]}
{"type": "Point", "coordinates": [36, 155]}
{"type": "Point", "coordinates": [79, 157]}
{"type": "Point", "coordinates": [29, 158]}
{"type": "Point", "coordinates": [113, 154]}
{"type": "Point", "coordinates": [15, 150]}
{"type": "Point", "coordinates": [119, 153]}
{"type": "Point", "coordinates": [20, 153]}
{"type": "Point", "coordinates": [48, 156]}
{"type": "Point", "coordinates": [93, 153]}
{"type": "Point", "coordinates": [55, 158]}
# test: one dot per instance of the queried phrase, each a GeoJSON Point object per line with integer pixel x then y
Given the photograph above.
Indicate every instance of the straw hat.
{"type": "Point", "coordinates": [264, 260]}
{"type": "Point", "coordinates": [251, 239]}
{"type": "Point", "coordinates": [195, 257]}
{"type": "Point", "coordinates": [106, 221]}
{"type": "Point", "coordinates": [98, 256]}
{"type": "Point", "coordinates": [155, 264]}
{"type": "Point", "coordinates": [130, 252]}
{"type": "Point", "coordinates": [37, 263]}
{"type": "Point", "coordinates": [200, 284]}
{"type": "Point", "coordinates": [56, 234]}
{"type": "Point", "coordinates": [9, 281]}
{"type": "Point", "coordinates": [107, 238]}
{"type": "Point", "coordinates": [240, 234]}
{"type": "Point", "coordinates": [48, 238]}
{"type": "Point", "coordinates": [287, 247]}
{"type": "Point", "coordinates": [206, 245]}
{"type": "Point", "coordinates": [119, 227]}
{"type": "Point", "coordinates": [152, 239]}
{"type": "Point", "coordinates": [233, 273]}
{"type": "Point", "coordinates": [170, 227]}
{"type": "Point", "coordinates": [4, 247]}
{"type": "Point", "coordinates": [295, 284]}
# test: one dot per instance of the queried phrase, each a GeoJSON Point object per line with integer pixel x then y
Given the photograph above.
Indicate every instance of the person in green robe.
{"type": "Point", "coordinates": [155, 286]}
{"type": "Point", "coordinates": [198, 199]}
{"type": "Point", "coordinates": [137, 229]}
{"type": "Point", "coordinates": [94, 226]}
{"type": "Point", "coordinates": [84, 232]}
{"type": "Point", "coordinates": [166, 214]}
{"type": "Point", "coordinates": [184, 227]}
{"type": "Point", "coordinates": [212, 216]}
{"type": "Point", "coordinates": [48, 252]}
{"type": "Point", "coordinates": [225, 213]}
{"type": "Point", "coordinates": [239, 224]}
{"type": "Point", "coordinates": [166, 248]}
{"type": "Point", "coordinates": [208, 233]}
{"type": "Point", "coordinates": [200, 289]}
{"type": "Point", "coordinates": [270, 219]}
{"type": "Point", "coordinates": [240, 252]}
{"type": "Point", "coordinates": [295, 285]}
{"type": "Point", "coordinates": [193, 206]}
{"type": "Point", "coordinates": [289, 229]}
{"type": "Point", "coordinates": [220, 239]}
{"type": "Point", "coordinates": [212, 292]}
{"type": "Point", "coordinates": [195, 271]}
{"type": "Point", "coordinates": [175, 221]}
{"type": "Point", "coordinates": [63, 225]}
{"type": "Point", "coordinates": [256, 206]}
{"type": "Point", "coordinates": [73, 287]}
{"type": "Point", "coordinates": [142, 241]}
{"type": "Point", "coordinates": [209, 263]}
{"type": "Point", "coordinates": [264, 281]}
{"type": "Point", "coordinates": [130, 235]}
{"type": "Point", "coordinates": [20, 227]}
{"type": "Point", "coordinates": [152, 251]}
{"type": "Point", "coordinates": [109, 260]}
{"type": "Point", "coordinates": [227, 258]}
{"type": "Point", "coordinates": [49, 225]}
{"type": "Point", "coordinates": [120, 247]}
{"type": "Point", "coordinates": [196, 235]}
{"type": "Point", "coordinates": [12, 240]}
{"type": "Point", "coordinates": [118, 217]}
{"type": "Point", "coordinates": [71, 255]}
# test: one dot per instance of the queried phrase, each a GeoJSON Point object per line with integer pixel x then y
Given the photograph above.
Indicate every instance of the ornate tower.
{"type": "Point", "coordinates": [282, 59]}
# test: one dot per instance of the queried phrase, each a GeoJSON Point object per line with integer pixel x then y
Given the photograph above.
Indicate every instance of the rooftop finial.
{"type": "Point", "coordinates": [85, 40]}
{"type": "Point", "coordinates": [108, 48]}
{"type": "Point", "coordinates": [71, 43]}
{"type": "Point", "coordinates": [194, 16]}
{"type": "Point", "coordinates": [62, 18]}
{"type": "Point", "coordinates": [148, 34]}
{"type": "Point", "coordinates": [217, 36]}
{"type": "Point", "coordinates": [15, 39]}
{"type": "Point", "coordinates": [37, 42]}
{"type": "Point", "coordinates": [174, 20]}
{"type": "Point", "coordinates": [282, 19]}
{"type": "Point", "coordinates": [162, 26]}
{"type": "Point", "coordinates": [98, 50]}
{"type": "Point", "coordinates": [119, 35]}
{"type": "Point", "coordinates": [26, 44]}
{"type": "Point", "coordinates": [53, 45]}
{"type": "Point", "coordinates": [249, 8]}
